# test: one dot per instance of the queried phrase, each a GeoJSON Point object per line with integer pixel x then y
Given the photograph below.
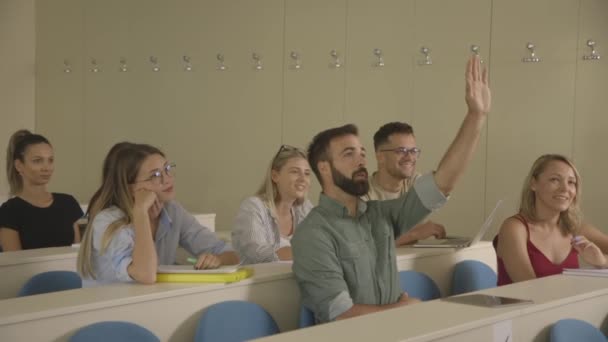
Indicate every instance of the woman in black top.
{"type": "Point", "coordinates": [34, 217]}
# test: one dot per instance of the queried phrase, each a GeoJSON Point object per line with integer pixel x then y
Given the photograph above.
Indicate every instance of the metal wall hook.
{"type": "Point", "coordinates": [188, 65]}
{"type": "Point", "coordinates": [532, 58]}
{"type": "Point", "coordinates": [379, 55]}
{"type": "Point", "coordinates": [594, 56]}
{"type": "Point", "coordinates": [123, 65]}
{"type": "Point", "coordinates": [221, 66]}
{"type": "Point", "coordinates": [94, 66]}
{"type": "Point", "coordinates": [335, 63]}
{"type": "Point", "coordinates": [475, 50]}
{"type": "Point", "coordinates": [155, 65]}
{"type": "Point", "coordinates": [427, 56]}
{"type": "Point", "coordinates": [67, 67]}
{"type": "Point", "coordinates": [297, 62]}
{"type": "Point", "coordinates": [258, 61]}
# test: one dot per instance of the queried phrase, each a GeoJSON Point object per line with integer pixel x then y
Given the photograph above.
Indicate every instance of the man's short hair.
{"type": "Point", "coordinates": [381, 136]}
{"type": "Point", "coordinates": [318, 148]}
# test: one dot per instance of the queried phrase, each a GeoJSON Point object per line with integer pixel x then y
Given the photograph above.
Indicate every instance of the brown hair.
{"type": "Point", "coordinates": [17, 146]}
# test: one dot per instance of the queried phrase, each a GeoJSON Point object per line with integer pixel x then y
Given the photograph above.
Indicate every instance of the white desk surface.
{"type": "Point", "coordinates": [439, 319]}
{"type": "Point", "coordinates": [272, 286]}
{"type": "Point", "coordinates": [37, 255]}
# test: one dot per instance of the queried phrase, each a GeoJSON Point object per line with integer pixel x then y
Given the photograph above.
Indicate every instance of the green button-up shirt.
{"type": "Point", "coordinates": [341, 260]}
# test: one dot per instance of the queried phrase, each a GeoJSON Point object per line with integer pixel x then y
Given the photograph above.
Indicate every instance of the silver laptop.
{"type": "Point", "coordinates": [460, 242]}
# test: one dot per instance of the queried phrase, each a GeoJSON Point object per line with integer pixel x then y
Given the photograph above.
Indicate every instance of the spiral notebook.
{"type": "Point", "coordinates": [192, 270]}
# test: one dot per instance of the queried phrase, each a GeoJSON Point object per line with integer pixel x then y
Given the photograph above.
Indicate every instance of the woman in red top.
{"type": "Point", "coordinates": [547, 235]}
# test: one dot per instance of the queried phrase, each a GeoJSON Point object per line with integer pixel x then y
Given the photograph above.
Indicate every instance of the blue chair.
{"type": "Point", "coordinates": [472, 275]}
{"type": "Point", "coordinates": [418, 285]}
{"type": "Point", "coordinates": [114, 331]}
{"type": "Point", "coordinates": [234, 321]}
{"type": "Point", "coordinates": [566, 330]}
{"type": "Point", "coordinates": [51, 281]}
{"type": "Point", "coordinates": [307, 317]}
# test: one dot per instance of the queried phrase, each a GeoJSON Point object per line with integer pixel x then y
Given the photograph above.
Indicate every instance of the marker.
{"type": "Point", "coordinates": [192, 260]}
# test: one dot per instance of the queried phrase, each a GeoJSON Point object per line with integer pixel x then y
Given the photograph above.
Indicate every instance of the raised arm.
{"type": "Point", "coordinates": [460, 152]}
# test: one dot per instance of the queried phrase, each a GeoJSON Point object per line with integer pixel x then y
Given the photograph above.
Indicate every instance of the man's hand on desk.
{"type": "Point", "coordinates": [420, 232]}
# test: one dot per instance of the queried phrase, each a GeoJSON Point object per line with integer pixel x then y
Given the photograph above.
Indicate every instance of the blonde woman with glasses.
{"type": "Point", "coordinates": [548, 234]}
{"type": "Point", "coordinates": [135, 224]}
{"type": "Point", "coordinates": [266, 221]}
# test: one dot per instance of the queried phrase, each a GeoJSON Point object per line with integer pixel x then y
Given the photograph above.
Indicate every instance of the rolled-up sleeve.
{"type": "Point", "coordinates": [196, 238]}
{"type": "Point", "coordinates": [415, 205]}
{"type": "Point", "coordinates": [252, 234]}
{"type": "Point", "coordinates": [319, 274]}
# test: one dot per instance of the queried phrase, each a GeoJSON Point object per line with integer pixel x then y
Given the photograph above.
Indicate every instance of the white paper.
{"type": "Point", "coordinates": [503, 331]}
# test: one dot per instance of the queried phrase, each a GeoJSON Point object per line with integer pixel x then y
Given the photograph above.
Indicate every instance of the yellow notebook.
{"type": "Point", "coordinates": [240, 274]}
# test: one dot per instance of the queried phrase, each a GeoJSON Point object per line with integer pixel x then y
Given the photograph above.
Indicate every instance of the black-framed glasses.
{"type": "Point", "coordinates": [403, 151]}
{"type": "Point", "coordinates": [157, 177]}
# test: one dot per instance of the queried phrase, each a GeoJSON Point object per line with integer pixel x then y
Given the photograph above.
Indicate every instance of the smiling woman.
{"type": "Point", "coordinates": [34, 217]}
{"type": "Point", "coordinates": [266, 222]}
{"type": "Point", "coordinates": [548, 234]}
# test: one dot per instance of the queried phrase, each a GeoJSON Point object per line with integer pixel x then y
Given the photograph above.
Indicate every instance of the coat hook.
{"type": "Point", "coordinates": [221, 66]}
{"type": "Point", "coordinates": [67, 68]}
{"type": "Point", "coordinates": [379, 55]}
{"type": "Point", "coordinates": [335, 63]}
{"type": "Point", "coordinates": [94, 66]}
{"type": "Point", "coordinates": [594, 56]}
{"type": "Point", "coordinates": [188, 66]}
{"type": "Point", "coordinates": [155, 66]}
{"type": "Point", "coordinates": [123, 65]}
{"type": "Point", "coordinates": [297, 63]}
{"type": "Point", "coordinates": [427, 56]}
{"type": "Point", "coordinates": [532, 58]}
{"type": "Point", "coordinates": [258, 61]}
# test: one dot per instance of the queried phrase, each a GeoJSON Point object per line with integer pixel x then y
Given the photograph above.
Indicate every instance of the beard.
{"type": "Point", "coordinates": [349, 185]}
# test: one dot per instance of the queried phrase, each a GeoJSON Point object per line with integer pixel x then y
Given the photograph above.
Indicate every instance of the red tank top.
{"type": "Point", "coordinates": [540, 263]}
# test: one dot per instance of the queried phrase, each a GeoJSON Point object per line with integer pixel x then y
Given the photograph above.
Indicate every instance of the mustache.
{"type": "Point", "coordinates": [361, 170]}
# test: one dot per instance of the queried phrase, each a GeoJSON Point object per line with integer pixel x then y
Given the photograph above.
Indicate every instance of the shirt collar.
{"type": "Point", "coordinates": [338, 208]}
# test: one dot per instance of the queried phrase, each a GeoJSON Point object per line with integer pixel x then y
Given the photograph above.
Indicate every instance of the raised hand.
{"type": "Point", "coordinates": [478, 95]}
{"type": "Point", "coordinates": [144, 199]}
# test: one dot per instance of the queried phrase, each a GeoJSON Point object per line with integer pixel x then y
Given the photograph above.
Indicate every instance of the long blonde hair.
{"type": "Point", "coordinates": [570, 220]}
{"type": "Point", "coordinates": [120, 168]}
{"type": "Point", "coordinates": [268, 191]}
{"type": "Point", "coordinates": [17, 146]}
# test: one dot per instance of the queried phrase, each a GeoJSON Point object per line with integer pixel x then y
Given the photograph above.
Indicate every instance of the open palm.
{"type": "Point", "coordinates": [478, 95]}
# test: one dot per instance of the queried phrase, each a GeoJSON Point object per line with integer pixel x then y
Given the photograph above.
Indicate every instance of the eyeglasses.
{"type": "Point", "coordinates": [403, 151]}
{"type": "Point", "coordinates": [283, 148]}
{"type": "Point", "coordinates": [157, 177]}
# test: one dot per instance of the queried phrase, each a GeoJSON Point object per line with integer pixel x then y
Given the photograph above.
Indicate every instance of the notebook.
{"type": "Point", "coordinates": [191, 269]}
{"type": "Point", "coordinates": [460, 242]}
{"type": "Point", "coordinates": [204, 276]}
{"type": "Point", "coordinates": [586, 272]}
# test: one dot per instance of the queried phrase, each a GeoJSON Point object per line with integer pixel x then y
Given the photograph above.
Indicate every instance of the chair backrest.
{"type": "Point", "coordinates": [575, 330]}
{"type": "Point", "coordinates": [234, 321]}
{"type": "Point", "coordinates": [472, 275]}
{"type": "Point", "coordinates": [307, 317]}
{"type": "Point", "coordinates": [51, 281]}
{"type": "Point", "coordinates": [115, 331]}
{"type": "Point", "coordinates": [418, 285]}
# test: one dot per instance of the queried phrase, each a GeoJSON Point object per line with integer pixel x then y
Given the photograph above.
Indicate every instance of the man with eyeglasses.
{"type": "Point", "coordinates": [396, 156]}
{"type": "Point", "coordinates": [344, 250]}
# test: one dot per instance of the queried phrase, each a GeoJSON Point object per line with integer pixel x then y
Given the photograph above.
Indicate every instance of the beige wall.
{"type": "Point", "coordinates": [17, 78]}
{"type": "Point", "coordinates": [222, 127]}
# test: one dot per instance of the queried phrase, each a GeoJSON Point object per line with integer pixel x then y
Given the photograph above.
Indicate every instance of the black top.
{"type": "Point", "coordinates": [52, 226]}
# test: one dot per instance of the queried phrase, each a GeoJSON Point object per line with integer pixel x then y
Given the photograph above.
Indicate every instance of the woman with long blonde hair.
{"type": "Point", "coordinates": [548, 234]}
{"type": "Point", "coordinates": [35, 217]}
{"type": "Point", "coordinates": [266, 221]}
{"type": "Point", "coordinates": [135, 224]}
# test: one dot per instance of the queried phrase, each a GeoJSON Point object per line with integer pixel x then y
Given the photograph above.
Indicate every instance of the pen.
{"type": "Point", "coordinates": [192, 260]}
